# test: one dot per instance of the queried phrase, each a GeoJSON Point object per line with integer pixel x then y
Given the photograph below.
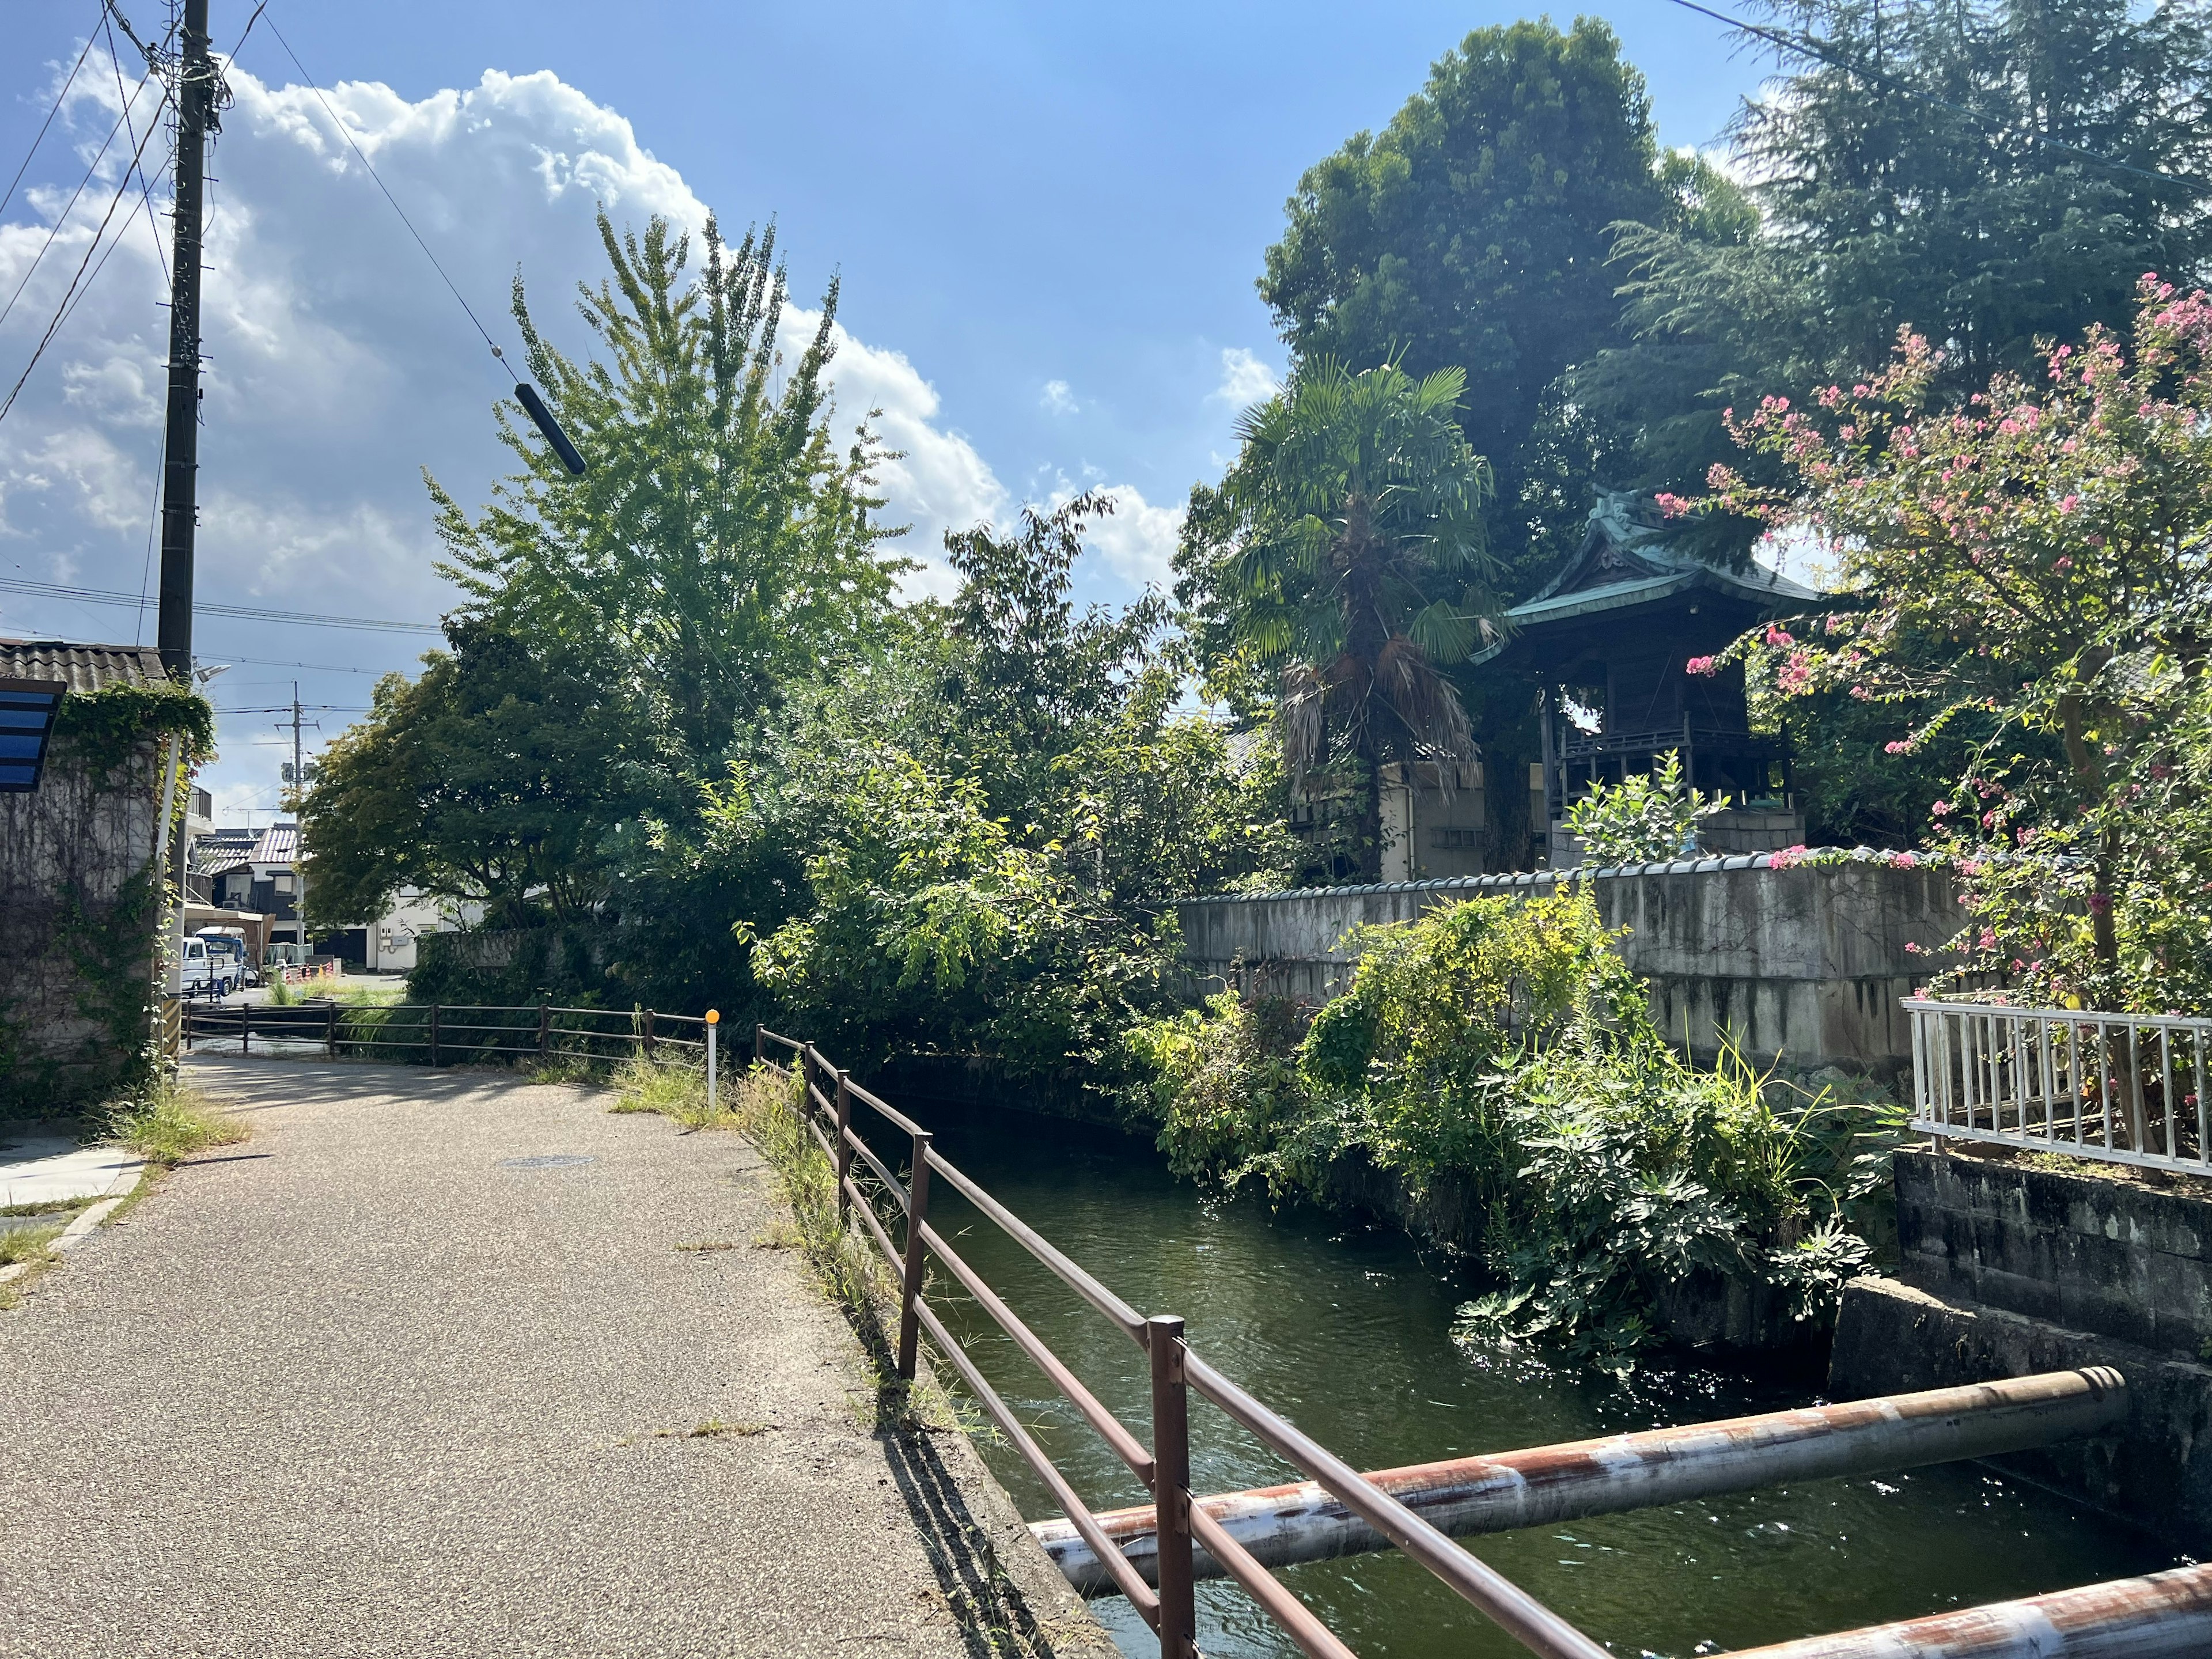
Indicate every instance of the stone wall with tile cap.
{"type": "Point", "coordinates": [1802, 962]}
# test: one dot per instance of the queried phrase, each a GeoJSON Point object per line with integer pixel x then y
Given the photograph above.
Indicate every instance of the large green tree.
{"type": "Point", "coordinates": [1473, 231]}
{"type": "Point", "coordinates": [489, 780]}
{"type": "Point", "coordinates": [724, 540]}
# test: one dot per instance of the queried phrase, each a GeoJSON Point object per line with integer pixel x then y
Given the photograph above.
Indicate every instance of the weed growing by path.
{"type": "Point", "coordinates": [48, 1206]}
{"type": "Point", "coordinates": [20, 1245]}
{"type": "Point", "coordinates": [171, 1123]}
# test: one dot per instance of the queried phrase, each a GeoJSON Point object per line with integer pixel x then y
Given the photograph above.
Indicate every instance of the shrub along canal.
{"type": "Point", "coordinates": [1346, 1328]}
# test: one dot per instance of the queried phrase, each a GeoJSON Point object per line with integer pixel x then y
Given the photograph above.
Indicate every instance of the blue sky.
{"type": "Point", "coordinates": [1047, 219]}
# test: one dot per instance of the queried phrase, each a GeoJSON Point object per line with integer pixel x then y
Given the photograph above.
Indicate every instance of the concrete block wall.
{"type": "Point", "coordinates": [1803, 963]}
{"type": "Point", "coordinates": [73, 845]}
{"type": "Point", "coordinates": [2117, 1259]}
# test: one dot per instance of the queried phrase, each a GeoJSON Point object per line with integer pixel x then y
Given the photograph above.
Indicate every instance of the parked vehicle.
{"type": "Point", "coordinates": [209, 969]}
{"type": "Point", "coordinates": [239, 967]}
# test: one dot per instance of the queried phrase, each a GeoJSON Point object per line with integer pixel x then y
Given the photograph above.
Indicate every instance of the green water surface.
{"type": "Point", "coordinates": [1345, 1330]}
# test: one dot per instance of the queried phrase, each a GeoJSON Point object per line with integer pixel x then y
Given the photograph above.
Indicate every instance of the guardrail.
{"type": "Point", "coordinates": [445, 1033]}
{"type": "Point", "coordinates": [826, 1101]}
{"type": "Point", "coordinates": [2124, 1088]}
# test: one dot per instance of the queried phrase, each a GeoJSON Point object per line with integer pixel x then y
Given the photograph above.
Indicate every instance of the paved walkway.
{"type": "Point", "coordinates": [381, 1381]}
{"type": "Point", "coordinates": [43, 1163]}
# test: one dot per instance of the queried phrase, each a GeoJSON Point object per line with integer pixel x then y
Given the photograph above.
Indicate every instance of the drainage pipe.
{"type": "Point", "coordinates": [1282, 1525]}
{"type": "Point", "coordinates": [2168, 1615]}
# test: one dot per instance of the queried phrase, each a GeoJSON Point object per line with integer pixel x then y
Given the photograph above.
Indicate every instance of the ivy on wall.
{"type": "Point", "coordinates": [108, 942]}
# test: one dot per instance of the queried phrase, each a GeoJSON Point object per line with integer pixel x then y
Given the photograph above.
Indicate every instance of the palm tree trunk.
{"type": "Point", "coordinates": [1371, 811]}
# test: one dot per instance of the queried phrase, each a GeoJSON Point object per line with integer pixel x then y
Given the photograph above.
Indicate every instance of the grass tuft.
{"type": "Point", "coordinates": [171, 1123]}
{"type": "Point", "coordinates": [20, 1245]}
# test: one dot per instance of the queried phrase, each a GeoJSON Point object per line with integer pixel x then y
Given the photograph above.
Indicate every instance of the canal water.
{"type": "Point", "coordinates": [1345, 1330]}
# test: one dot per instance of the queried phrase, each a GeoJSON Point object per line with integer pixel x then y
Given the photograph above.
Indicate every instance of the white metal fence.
{"type": "Point", "coordinates": [2130, 1088]}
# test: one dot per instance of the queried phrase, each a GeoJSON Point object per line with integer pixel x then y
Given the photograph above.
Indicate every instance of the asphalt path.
{"type": "Point", "coordinates": [383, 1380]}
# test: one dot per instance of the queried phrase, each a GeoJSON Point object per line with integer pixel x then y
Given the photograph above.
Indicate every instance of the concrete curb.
{"type": "Point", "coordinates": [86, 1220]}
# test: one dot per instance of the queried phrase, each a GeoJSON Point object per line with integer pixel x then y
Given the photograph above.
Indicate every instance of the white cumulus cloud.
{"type": "Point", "coordinates": [1137, 540]}
{"type": "Point", "coordinates": [339, 367]}
{"type": "Point", "coordinates": [1245, 380]}
{"type": "Point", "coordinates": [1059, 398]}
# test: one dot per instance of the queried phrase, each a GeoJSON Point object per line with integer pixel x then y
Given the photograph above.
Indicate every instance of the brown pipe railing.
{"type": "Point", "coordinates": [825, 1101]}
{"type": "Point", "coordinates": [440, 1032]}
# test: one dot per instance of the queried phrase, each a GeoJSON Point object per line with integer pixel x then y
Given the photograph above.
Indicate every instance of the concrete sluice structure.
{"type": "Point", "coordinates": [2167, 1613]}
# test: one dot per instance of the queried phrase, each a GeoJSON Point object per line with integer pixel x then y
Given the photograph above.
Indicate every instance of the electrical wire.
{"type": "Point", "coordinates": [250, 613]}
{"type": "Point", "coordinates": [60, 97]}
{"type": "Point", "coordinates": [69, 294]}
{"type": "Point", "coordinates": [145, 185]}
{"type": "Point", "coordinates": [62, 218]}
{"type": "Point", "coordinates": [347, 133]}
{"type": "Point", "coordinates": [316, 667]}
{"type": "Point", "coordinates": [1808, 48]}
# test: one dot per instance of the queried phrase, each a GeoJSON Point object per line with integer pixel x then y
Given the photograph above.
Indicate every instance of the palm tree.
{"type": "Point", "coordinates": [1361, 568]}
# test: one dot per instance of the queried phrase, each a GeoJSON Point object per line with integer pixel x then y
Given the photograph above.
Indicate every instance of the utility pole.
{"type": "Point", "coordinates": [299, 790]}
{"type": "Point", "coordinates": [195, 93]}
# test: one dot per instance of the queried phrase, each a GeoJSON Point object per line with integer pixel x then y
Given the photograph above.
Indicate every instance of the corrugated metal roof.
{"type": "Point", "coordinates": [82, 667]}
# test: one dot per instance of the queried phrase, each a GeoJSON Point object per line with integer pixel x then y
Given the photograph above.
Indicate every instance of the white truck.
{"type": "Point", "coordinates": [208, 968]}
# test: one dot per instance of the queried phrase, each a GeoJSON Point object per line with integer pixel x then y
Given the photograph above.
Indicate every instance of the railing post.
{"type": "Point", "coordinates": [844, 1159]}
{"type": "Point", "coordinates": [433, 1034]}
{"type": "Point", "coordinates": [1171, 1487]}
{"type": "Point", "coordinates": [713, 1025]}
{"type": "Point", "coordinates": [245, 1028]}
{"type": "Point", "coordinates": [544, 1029]}
{"type": "Point", "coordinates": [757, 1029]}
{"type": "Point", "coordinates": [648, 1034]}
{"type": "Point", "coordinates": [331, 1034]}
{"type": "Point", "coordinates": [917, 1213]}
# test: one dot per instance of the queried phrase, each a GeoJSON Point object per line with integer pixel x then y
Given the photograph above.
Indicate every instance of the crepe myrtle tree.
{"type": "Point", "coordinates": [2034, 560]}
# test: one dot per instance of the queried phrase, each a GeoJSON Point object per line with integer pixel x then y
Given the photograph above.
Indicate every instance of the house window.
{"type": "Point", "coordinates": [282, 881]}
{"type": "Point", "coordinates": [1459, 839]}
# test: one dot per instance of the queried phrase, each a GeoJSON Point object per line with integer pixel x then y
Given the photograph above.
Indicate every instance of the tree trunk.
{"type": "Point", "coordinates": [2089, 768]}
{"type": "Point", "coordinates": [1371, 811]}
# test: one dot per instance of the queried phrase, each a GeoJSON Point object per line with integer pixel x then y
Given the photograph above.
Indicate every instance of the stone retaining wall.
{"type": "Point", "coordinates": [1802, 962]}
{"type": "Point", "coordinates": [2116, 1258]}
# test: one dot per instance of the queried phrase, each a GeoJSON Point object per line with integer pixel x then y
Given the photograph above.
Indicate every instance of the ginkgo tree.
{"type": "Point", "coordinates": [2041, 557]}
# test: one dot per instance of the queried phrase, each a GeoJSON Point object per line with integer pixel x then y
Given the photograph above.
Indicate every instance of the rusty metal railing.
{"type": "Point", "coordinates": [437, 1033]}
{"type": "Point", "coordinates": [826, 1099]}
{"type": "Point", "coordinates": [2124, 1088]}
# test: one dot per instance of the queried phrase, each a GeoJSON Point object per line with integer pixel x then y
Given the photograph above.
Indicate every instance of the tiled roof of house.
{"type": "Point", "coordinates": [81, 667]}
{"type": "Point", "coordinates": [220, 851]}
{"type": "Point", "coordinates": [279, 844]}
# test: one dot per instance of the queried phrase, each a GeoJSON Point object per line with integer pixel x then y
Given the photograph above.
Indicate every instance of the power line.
{"type": "Point", "coordinates": [314, 708]}
{"type": "Point", "coordinates": [145, 185]}
{"type": "Point", "coordinates": [59, 97]}
{"type": "Point", "coordinates": [318, 668]}
{"type": "Point", "coordinates": [62, 312]}
{"type": "Point", "coordinates": [1804, 46]}
{"type": "Point", "coordinates": [346, 132]}
{"type": "Point", "coordinates": [70, 207]}
{"type": "Point", "coordinates": [306, 618]}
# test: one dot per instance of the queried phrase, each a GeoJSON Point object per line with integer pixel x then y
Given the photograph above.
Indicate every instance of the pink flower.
{"type": "Point", "coordinates": [1941, 808]}
{"type": "Point", "coordinates": [2062, 563]}
{"type": "Point", "coordinates": [1699, 665]}
{"type": "Point", "coordinates": [1987, 940]}
{"type": "Point", "coordinates": [1900, 746]}
{"type": "Point", "coordinates": [1779, 636]}
{"type": "Point", "coordinates": [1906, 861]}
{"type": "Point", "coordinates": [2070, 504]}
{"type": "Point", "coordinates": [1671, 506]}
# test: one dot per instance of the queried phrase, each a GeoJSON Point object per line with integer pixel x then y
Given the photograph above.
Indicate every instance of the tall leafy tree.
{"type": "Point", "coordinates": [491, 779]}
{"type": "Point", "coordinates": [1474, 233]}
{"type": "Point", "coordinates": [1992, 173]}
{"type": "Point", "coordinates": [1357, 568]}
{"type": "Point", "coordinates": [723, 541]}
